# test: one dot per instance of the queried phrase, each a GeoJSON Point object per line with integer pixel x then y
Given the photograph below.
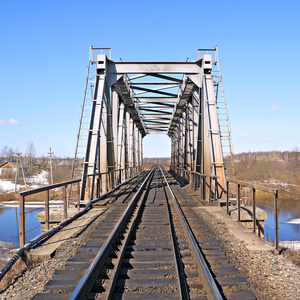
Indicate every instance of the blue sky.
{"type": "Point", "coordinates": [44, 54]}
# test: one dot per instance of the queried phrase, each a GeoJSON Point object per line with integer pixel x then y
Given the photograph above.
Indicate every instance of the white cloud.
{"type": "Point", "coordinates": [245, 136]}
{"type": "Point", "coordinates": [274, 108]}
{"type": "Point", "coordinates": [2, 121]}
{"type": "Point", "coordinates": [13, 121]}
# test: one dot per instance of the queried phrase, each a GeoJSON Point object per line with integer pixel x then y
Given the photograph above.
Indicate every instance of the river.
{"type": "Point", "coordinates": [9, 222]}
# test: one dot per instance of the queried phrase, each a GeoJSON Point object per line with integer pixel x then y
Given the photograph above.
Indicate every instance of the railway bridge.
{"type": "Point", "coordinates": [129, 100]}
{"type": "Point", "coordinates": [140, 235]}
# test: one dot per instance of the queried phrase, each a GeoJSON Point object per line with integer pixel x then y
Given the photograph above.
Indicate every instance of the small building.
{"type": "Point", "coordinates": [67, 163]}
{"type": "Point", "coordinates": [11, 167]}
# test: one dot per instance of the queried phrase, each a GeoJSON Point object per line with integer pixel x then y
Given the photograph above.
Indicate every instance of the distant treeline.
{"type": "Point", "coordinates": [286, 156]}
{"type": "Point", "coordinates": [157, 159]}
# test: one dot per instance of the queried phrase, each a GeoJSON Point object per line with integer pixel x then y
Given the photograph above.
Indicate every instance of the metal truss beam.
{"type": "Point", "coordinates": [157, 99]}
{"type": "Point", "coordinates": [120, 118]}
{"type": "Point", "coordinates": [154, 67]}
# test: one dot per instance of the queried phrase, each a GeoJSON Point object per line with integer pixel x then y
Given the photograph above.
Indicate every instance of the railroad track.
{"type": "Point", "coordinates": [149, 248]}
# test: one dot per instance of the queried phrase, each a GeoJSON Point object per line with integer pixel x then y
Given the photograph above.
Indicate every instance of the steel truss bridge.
{"type": "Point", "coordinates": [129, 100]}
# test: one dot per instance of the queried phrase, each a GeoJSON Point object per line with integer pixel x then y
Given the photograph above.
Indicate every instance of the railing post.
{"type": "Point", "coordinates": [100, 183]}
{"type": "Point", "coordinates": [276, 219]}
{"type": "Point", "coordinates": [65, 201]}
{"type": "Point", "coordinates": [78, 197]}
{"type": "Point", "coordinates": [47, 210]}
{"type": "Point", "coordinates": [227, 196]}
{"type": "Point", "coordinates": [209, 190]}
{"type": "Point", "coordinates": [216, 189]}
{"type": "Point", "coordinates": [204, 187]}
{"type": "Point", "coordinates": [254, 209]}
{"type": "Point", "coordinates": [93, 190]}
{"type": "Point", "coordinates": [22, 220]}
{"type": "Point", "coordinates": [239, 203]}
{"type": "Point", "coordinates": [107, 182]}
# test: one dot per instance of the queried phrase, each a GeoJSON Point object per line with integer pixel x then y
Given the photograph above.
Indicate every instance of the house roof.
{"type": "Point", "coordinates": [11, 164]}
{"type": "Point", "coordinates": [8, 164]}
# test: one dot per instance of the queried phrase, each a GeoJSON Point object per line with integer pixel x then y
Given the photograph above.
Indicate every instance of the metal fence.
{"type": "Point", "coordinates": [100, 183]}
{"type": "Point", "coordinates": [210, 189]}
{"type": "Point", "coordinates": [109, 180]}
{"type": "Point", "coordinates": [254, 187]}
{"type": "Point", "coordinates": [46, 190]}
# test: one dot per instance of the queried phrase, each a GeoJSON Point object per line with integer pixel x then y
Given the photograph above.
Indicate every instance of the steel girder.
{"type": "Point", "coordinates": [194, 127]}
{"type": "Point", "coordinates": [173, 98]}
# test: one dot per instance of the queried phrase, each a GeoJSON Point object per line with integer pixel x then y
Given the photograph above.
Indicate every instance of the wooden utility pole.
{"type": "Point", "coordinates": [51, 169]}
{"type": "Point", "coordinates": [19, 160]}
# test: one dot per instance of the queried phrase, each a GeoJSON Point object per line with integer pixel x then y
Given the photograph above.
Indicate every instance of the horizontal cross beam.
{"type": "Point", "coordinates": [153, 67]}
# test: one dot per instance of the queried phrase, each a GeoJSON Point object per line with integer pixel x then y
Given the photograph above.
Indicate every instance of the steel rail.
{"type": "Point", "coordinates": [35, 241]}
{"type": "Point", "coordinates": [126, 240]}
{"type": "Point", "coordinates": [184, 294]}
{"type": "Point", "coordinates": [214, 289]}
{"type": "Point", "coordinates": [101, 255]}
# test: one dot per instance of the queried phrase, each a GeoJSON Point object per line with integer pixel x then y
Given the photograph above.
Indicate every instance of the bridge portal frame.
{"type": "Point", "coordinates": [120, 118]}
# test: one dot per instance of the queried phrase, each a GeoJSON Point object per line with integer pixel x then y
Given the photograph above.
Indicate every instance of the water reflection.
{"type": "Point", "coordinates": [288, 210]}
{"type": "Point", "coordinates": [9, 222]}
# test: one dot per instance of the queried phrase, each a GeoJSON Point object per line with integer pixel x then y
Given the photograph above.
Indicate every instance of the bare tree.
{"type": "Point", "coordinates": [30, 153]}
{"type": "Point", "coordinates": [8, 153]}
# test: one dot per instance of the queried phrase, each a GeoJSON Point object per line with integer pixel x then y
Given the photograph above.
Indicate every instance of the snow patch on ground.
{"type": "Point", "coordinates": [7, 186]}
{"type": "Point", "coordinates": [38, 179]}
{"type": "Point", "coordinates": [294, 221]}
{"type": "Point", "coordinates": [53, 203]}
{"type": "Point", "coordinates": [295, 245]}
{"type": "Point", "coordinates": [34, 182]}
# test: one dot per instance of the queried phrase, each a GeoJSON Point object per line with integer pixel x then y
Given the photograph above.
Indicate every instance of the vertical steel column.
{"type": "Point", "coordinates": [103, 155]}
{"type": "Point", "coordinates": [112, 138]}
{"type": "Point", "coordinates": [198, 140]}
{"type": "Point", "coordinates": [181, 143]}
{"type": "Point", "coordinates": [195, 128]}
{"type": "Point", "coordinates": [213, 152]}
{"type": "Point", "coordinates": [139, 141]}
{"type": "Point", "coordinates": [127, 138]}
{"type": "Point", "coordinates": [184, 139]}
{"type": "Point", "coordinates": [121, 142]}
{"type": "Point", "coordinates": [189, 135]}
{"type": "Point", "coordinates": [96, 119]}
{"type": "Point", "coordinates": [137, 148]}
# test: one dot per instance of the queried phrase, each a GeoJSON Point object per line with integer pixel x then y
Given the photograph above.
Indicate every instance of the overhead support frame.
{"type": "Point", "coordinates": [120, 117]}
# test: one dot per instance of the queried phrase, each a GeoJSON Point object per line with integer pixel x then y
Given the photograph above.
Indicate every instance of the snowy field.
{"type": "Point", "coordinates": [33, 182]}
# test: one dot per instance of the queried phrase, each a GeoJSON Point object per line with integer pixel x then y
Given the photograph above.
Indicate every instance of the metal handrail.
{"type": "Point", "coordinates": [35, 241]}
{"type": "Point", "coordinates": [195, 182]}
{"type": "Point", "coordinates": [39, 190]}
{"type": "Point", "coordinates": [48, 187]}
{"type": "Point", "coordinates": [111, 179]}
{"type": "Point", "coordinates": [254, 187]}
